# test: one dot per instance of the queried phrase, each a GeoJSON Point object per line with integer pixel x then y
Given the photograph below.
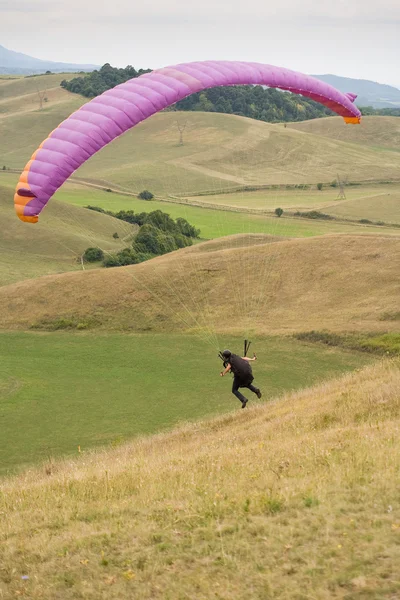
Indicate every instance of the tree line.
{"type": "Point", "coordinates": [257, 102]}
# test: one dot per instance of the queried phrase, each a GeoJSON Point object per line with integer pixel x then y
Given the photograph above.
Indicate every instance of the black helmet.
{"type": "Point", "coordinates": [226, 353]}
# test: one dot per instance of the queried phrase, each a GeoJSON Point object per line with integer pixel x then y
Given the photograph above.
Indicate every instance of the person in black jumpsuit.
{"type": "Point", "coordinates": [243, 375]}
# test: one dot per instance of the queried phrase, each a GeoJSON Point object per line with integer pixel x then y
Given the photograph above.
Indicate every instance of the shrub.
{"type": "Point", "coordinates": [320, 186]}
{"type": "Point", "coordinates": [146, 195]}
{"type": "Point", "coordinates": [279, 212]}
{"type": "Point", "coordinates": [115, 236]}
{"type": "Point", "coordinates": [111, 261]}
{"type": "Point", "coordinates": [313, 214]}
{"type": "Point", "coordinates": [93, 254]}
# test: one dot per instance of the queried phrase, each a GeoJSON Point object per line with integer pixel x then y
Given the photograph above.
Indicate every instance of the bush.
{"type": "Point", "coordinates": [111, 261]}
{"type": "Point", "coordinates": [115, 236]}
{"type": "Point", "coordinates": [320, 186]}
{"type": "Point", "coordinates": [279, 212]}
{"type": "Point", "coordinates": [93, 254]}
{"type": "Point", "coordinates": [314, 214]}
{"type": "Point", "coordinates": [146, 195]}
{"type": "Point", "coordinates": [186, 229]}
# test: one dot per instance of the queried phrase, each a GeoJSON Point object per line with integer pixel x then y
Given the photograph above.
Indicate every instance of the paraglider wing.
{"type": "Point", "coordinates": [115, 111]}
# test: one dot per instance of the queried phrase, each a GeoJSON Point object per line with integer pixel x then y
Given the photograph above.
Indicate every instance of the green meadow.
{"type": "Point", "coordinates": [214, 223]}
{"type": "Point", "coordinates": [60, 392]}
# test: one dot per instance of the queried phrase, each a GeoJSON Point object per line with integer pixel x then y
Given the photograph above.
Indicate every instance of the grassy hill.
{"type": "Point", "coordinates": [220, 151]}
{"type": "Point", "coordinates": [225, 151]}
{"type": "Point", "coordinates": [64, 233]}
{"type": "Point", "coordinates": [337, 282]}
{"type": "Point", "coordinates": [294, 499]}
{"type": "Point", "coordinates": [380, 133]}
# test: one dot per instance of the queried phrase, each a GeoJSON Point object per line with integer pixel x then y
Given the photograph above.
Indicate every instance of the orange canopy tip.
{"type": "Point", "coordinates": [27, 219]}
{"type": "Point", "coordinates": [353, 120]}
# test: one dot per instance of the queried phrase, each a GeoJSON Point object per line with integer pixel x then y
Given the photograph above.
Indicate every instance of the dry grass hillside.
{"type": "Point", "coordinates": [220, 151]}
{"type": "Point", "coordinates": [377, 132]}
{"type": "Point", "coordinates": [337, 282]}
{"type": "Point", "coordinates": [295, 499]}
{"type": "Point", "coordinates": [30, 94]}
{"type": "Point", "coordinates": [226, 151]}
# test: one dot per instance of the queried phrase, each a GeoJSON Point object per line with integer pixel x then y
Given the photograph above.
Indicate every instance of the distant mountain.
{"type": "Point", "coordinates": [15, 63]}
{"type": "Point", "coordinates": [369, 93]}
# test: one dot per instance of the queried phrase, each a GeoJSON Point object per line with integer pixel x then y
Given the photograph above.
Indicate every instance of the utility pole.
{"type": "Point", "coordinates": [42, 97]}
{"type": "Point", "coordinates": [341, 195]}
{"type": "Point", "coordinates": [181, 129]}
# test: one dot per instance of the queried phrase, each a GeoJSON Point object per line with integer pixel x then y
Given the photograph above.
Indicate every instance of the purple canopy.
{"type": "Point", "coordinates": [106, 117]}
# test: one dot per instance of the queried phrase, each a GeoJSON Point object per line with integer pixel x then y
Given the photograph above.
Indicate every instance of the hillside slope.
{"type": "Point", "coordinates": [64, 234]}
{"type": "Point", "coordinates": [219, 151]}
{"type": "Point", "coordinates": [224, 151]}
{"type": "Point", "coordinates": [375, 132]}
{"type": "Point", "coordinates": [337, 282]}
{"type": "Point", "coordinates": [294, 499]}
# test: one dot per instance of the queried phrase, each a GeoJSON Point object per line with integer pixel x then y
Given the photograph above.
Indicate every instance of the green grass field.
{"type": "Point", "coordinates": [214, 223]}
{"type": "Point", "coordinates": [59, 391]}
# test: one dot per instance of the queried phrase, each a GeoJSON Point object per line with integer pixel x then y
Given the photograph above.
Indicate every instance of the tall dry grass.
{"type": "Point", "coordinates": [334, 282]}
{"type": "Point", "coordinates": [297, 498]}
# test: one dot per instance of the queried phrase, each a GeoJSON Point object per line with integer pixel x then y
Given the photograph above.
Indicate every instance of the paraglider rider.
{"type": "Point", "coordinates": [243, 375]}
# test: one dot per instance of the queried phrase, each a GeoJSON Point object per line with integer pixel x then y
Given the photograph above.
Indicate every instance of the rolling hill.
{"type": "Point", "coordinates": [64, 234]}
{"type": "Point", "coordinates": [334, 282]}
{"type": "Point", "coordinates": [219, 152]}
{"type": "Point", "coordinates": [380, 133]}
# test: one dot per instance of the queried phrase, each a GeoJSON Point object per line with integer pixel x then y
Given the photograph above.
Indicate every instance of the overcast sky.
{"type": "Point", "coordinates": [350, 38]}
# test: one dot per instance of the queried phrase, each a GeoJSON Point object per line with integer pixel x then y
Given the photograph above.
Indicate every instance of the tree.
{"type": "Point", "coordinates": [146, 195]}
{"type": "Point", "coordinates": [320, 186]}
{"type": "Point", "coordinates": [279, 212]}
{"type": "Point", "coordinates": [146, 240]}
{"type": "Point", "coordinates": [93, 254]}
{"type": "Point", "coordinates": [161, 220]}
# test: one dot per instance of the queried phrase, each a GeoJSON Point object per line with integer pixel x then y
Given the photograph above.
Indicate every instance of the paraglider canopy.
{"type": "Point", "coordinates": [115, 111]}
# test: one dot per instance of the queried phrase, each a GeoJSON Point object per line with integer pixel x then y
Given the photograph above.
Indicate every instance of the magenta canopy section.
{"type": "Point", "coordinates": [115, 111]}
